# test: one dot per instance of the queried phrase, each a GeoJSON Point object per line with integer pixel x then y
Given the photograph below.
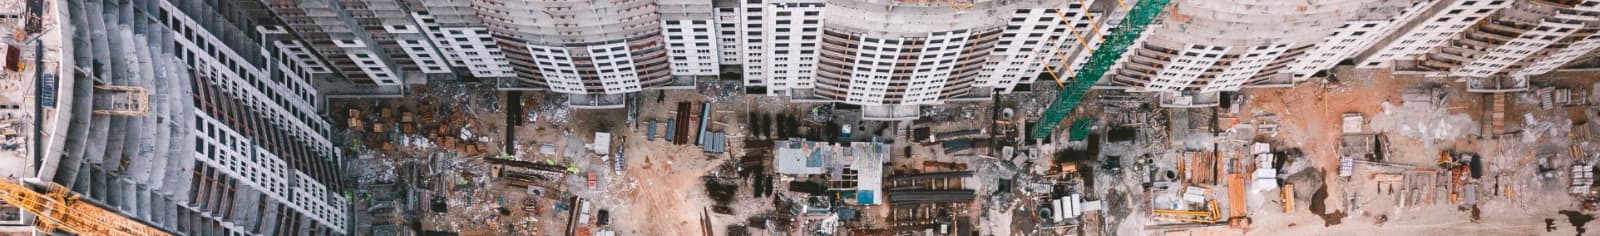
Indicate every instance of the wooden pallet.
{"type": "Point", "coordinates": [1236, 203]}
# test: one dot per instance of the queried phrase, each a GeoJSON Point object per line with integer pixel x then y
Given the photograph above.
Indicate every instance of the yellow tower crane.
{"type": "Point", "coordinates": [59, 209]}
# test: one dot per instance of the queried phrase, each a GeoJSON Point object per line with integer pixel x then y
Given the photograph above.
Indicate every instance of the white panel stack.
{"type": "Point", "coordinates": [1057, 215]}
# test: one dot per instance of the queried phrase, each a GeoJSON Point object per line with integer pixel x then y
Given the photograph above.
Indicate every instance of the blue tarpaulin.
{"type": "Point", "coordinates": [865, 197]}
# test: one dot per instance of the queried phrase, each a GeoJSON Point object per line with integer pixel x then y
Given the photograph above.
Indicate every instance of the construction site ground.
{"type": "Point", "coordinates": [659, 192]}
{"type": "Point", "coordinates": [664, 188]}
{"type": "Point", "coordinates": [1311, 120]}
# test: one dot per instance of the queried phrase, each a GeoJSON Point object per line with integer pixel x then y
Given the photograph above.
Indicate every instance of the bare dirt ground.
{"type": "Point", "coordinates": [1311, 114]}
{"type": "Point", "coordinates": [669, 197]}
{"type": "Point", "coordinates": [1311, 121]}
{"type": "Point", "coordinates": [662, 191]}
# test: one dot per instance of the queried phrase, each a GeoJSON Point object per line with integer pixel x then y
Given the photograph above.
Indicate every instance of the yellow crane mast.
{"type": "Point", "coordinates": [57, 208]}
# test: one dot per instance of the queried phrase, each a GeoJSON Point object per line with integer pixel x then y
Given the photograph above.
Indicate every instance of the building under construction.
{"type": "Point", "coordinates": [174, 115]}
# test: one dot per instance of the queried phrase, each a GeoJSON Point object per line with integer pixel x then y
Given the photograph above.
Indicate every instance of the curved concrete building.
{"type": "Point", "coordinates": [1496, 45]}
{"type": "Point", "coordinates": [1223, 45]}
{"type": "Point", "coordinates": [876, 52]}
{"type": "Point", "coordinates": [188, 116]}
{"type": "Point", "coordinates": [1526, 38]}
{"type": "Point", "coordinates": [581, 47]}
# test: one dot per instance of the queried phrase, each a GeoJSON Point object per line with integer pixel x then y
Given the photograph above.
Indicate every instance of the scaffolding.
{"type": "Point", "coordinates": [59, 209]}
{"type": "Point", "coordinates": [1142, 14]}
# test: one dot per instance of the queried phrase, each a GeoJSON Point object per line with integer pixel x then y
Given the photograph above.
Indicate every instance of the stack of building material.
{"type": "Point", "coordinates": [1353, 122]}
{"type": "Point", "coordinates": [681, 131]}
{"type": "Point", "coordinates": [715, 142]}
{"type": "Point", "coordinates": [923, 197]}
{"type": "Point", "coordinates": [1236, 200]}
{"type": "Point", "coordinates": [1071, 207]}
{"type": "Point", "coordinates": [547, 149]}
{"type": "Point", "coordinates": [1194, 194]}
{"type": "Point", "coordinates": [1204, 168]}
{"type": "Point", "coordinates": [1347, 165]}
{"type": "Point", "coordinates": [1263, 154]}
{"type": "Point", "coordinates": [1267, 124]}
{"type": "Point", "coordinates": [705, 120]}
{"type": "Point", "coordinates": [1582, 178]}
{"type": "Point", "coordinates": [957, 145]}
{"type": "Point", "coordinates": [651, 134]}
{"type": "Point", "coordinates": [618, 164]}
{"type": "Point", "coordinates": [1058, 213]}
{"type": "Point", "coordinates": [1471, 194]}
{"type": "Point", "coordinates": [958, 134]}
{"type": "Point", "coordinates": [12, 59]}
{"type": "Point", "coordinates": [672, 130]}
{"type": "Point", "coordinates": [947, 165]}
{"type": "Point", "coordinates": [355, 120]}
{"type": "Point", "coordinates": [1546, 97]}
{"type": "Point", "coordinates": [1264, 179]}
{"type": "Point", "coordinates": [602, 143]}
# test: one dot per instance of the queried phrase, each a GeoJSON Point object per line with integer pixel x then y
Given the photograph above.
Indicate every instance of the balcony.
{"type": "Point", "coordinates": [1451, 54]}
{"type": "Point", "coordinates": [1502, 28]}
{"type": "Point", "coordinates": [645, 42]}
{"type": "Point", "coordinates": [956, 87]}
{"type": "Point", "coordinates": [831, 64]}
{"type": "Point", "coordinates": [974, 53]}
{"type": "Point", "coordinates": [833, 75]}
{"type": "Point", "coordinates": [834, 85]}
{"type": "Point", "coordinates": [981, 47]}
{"type": "Point", "coordinates": [1128, 78]}
{"type": "Point", "coordinates": [1135, 72]}
{"type": "Point", "coordinates": [969, 94]}
{"type": "Point", "coordinates": [1495, 38]}
{"type": "Point", "coordinates": [653, 54]}
{"type": "Point", "coordinates": [830, 55]}
{"type": "Point", "coordinates": [1475, 42]}
{"type": "Point", "coordinates": [830, 36]}
{"type": "Point", "coordinates": [961, 78]}
{"type": "Point", "coordinates": [1437, 65]}
{"type": "Point", "coordinates": [836, 47]}
{"type": "Point", "coordinates": [1142, 66]}
{"type": "Point", "coordinates": [1271, 80]}
{"type": "Point", "coordinates": [966, 75]}
{"type": "Point", "coordinates": [653, 73]}
{"type": "Point", "coordinates": [1460, 53]}
{"type": "Point", "coordinates": [1152, 55]}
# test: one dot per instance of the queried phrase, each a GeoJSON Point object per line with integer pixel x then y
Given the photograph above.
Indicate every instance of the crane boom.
{"type": "Point", "coordinates": [1142, 14]}
{"type": "Point", "coordinates": [59, 209]}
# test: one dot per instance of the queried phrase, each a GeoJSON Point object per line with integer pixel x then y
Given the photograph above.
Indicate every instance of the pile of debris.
{"type": "Point", "coordinates": [1424, 117]}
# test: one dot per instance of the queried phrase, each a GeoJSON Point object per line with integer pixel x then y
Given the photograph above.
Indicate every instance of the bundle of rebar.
{"type": "Point", "coordinates": [923, 197]}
